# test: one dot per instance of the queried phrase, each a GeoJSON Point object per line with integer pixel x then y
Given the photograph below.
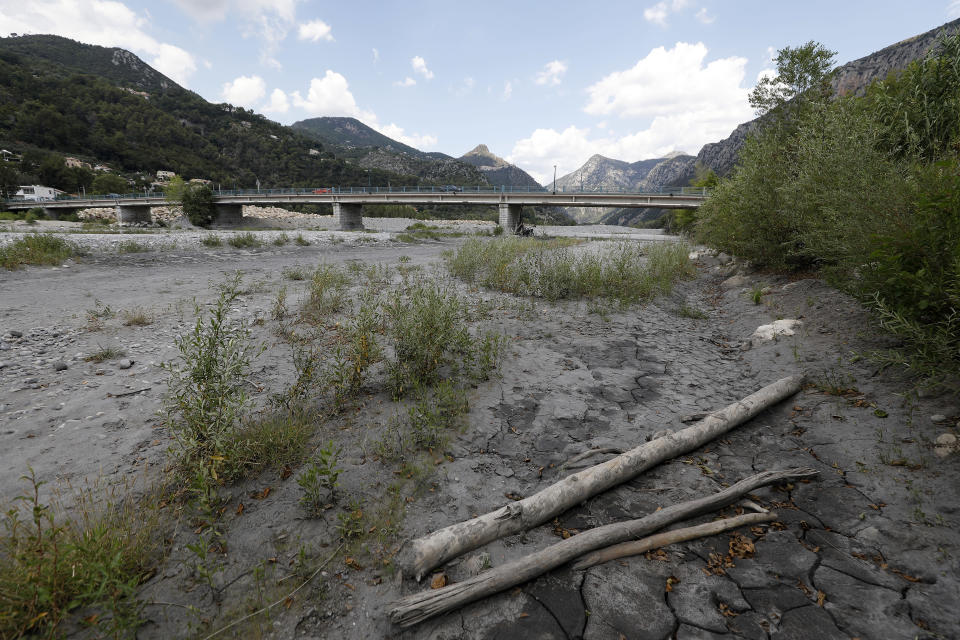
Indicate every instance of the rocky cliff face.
{"type": "Point", "coordinates": [497, 170]}
{"type": "Point", "coordinates": [851, 78]}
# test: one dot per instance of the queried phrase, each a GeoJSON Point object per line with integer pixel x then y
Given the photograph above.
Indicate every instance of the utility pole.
{"type": "Point", "coordinates": [554, 179]}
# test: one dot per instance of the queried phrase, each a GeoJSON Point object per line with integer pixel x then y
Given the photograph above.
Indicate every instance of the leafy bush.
{"type": "Point", "coordinates": [245, 240]}
{"type": "Point", "coordinates": [211, 240]}
{"type": "Point", "coordinates": [319, 479]}
{"type": "Point", "coordinates": [428, 327]}
{"type": "Point", "coordinates": [207, 396]}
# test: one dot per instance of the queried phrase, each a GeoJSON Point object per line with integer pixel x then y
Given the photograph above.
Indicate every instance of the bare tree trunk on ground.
{"type": "Point", "coordinates": [636, 547]}
{"type": "Point", "coordinates": [418, 607]}
{"type": "Point", "coordinates": [436, 548]}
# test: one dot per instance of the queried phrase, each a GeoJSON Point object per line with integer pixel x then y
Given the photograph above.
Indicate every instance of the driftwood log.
{"type": "Point", "coordinates": [636, 547]}
{"type": "Point", "coordinates": [418, 607]}
{"type": "Point", "coordinates": [436, 548]}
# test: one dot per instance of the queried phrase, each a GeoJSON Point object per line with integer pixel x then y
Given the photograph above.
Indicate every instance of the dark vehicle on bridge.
{"type": "Point", "coordinates": [450, 188]}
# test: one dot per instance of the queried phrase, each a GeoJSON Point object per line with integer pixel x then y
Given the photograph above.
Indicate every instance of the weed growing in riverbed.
{"type": "Point", "coordinates": [36, 248]}
{"type": "Point", "coordinates": [328, 287]}
{"type": "Point", "coordinates": [436, 413]}
{"type": "Point", "coordinates": [52, 562]}
{"type": "Point", "coordinates": [105, 353]}
{"type": "Point", "coordinates": [136, 317]}
{"type": "Point", "coordinates": [319, 479]}
{"type": "Point", "coordinates": [207, 395]}
{"type": "Point", "coordinates": [624, 271]}
{"type": "Point", "coordinates": [244, 240]}
{"type": "Point", "coordinates": [281, 240]}
{"type": "Point", "coordinates": [211, 240]}
{"type": "Point", "coordinates": [300, 241]}
{"type": "Point", "coordinates": [132, 246]}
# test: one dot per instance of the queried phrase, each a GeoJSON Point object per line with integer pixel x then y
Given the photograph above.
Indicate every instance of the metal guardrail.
{"type": "Point", "coordinates": [451, 189]}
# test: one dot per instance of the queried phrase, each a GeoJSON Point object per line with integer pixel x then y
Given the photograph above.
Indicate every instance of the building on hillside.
{"type": "Point", "coordinates": [203, 181]}
{"type": "Point", "coordinates": [102, 167]}
{"type": "Point", "coordinates": [37, 193]}
{"type": "Point", "coordinates": [166, 175]}
{"type": "Point", "coordinates": [75, 163]}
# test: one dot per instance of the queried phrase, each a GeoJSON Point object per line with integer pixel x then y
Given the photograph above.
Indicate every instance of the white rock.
{"type": "Point", "coordinates": [768, 332]}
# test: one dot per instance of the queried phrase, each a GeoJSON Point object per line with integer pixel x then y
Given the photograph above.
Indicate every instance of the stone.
{"type": "Point", "coordinates": [126, 363]}
{"type": "Point", "coordinates": [4, 364]}
{"type": "Point", "coordinates": [735, 282]}
{"type": "Point", "coordinates": [15, 334]}
{"type": "Point", "coordinates": [767, 332]}
{"type": "Point", "coordinates": [946, 440]}
{"type": "Point", "coordinates": [938, 418]}
{"type": "Point", "coordinates": [59, 365]}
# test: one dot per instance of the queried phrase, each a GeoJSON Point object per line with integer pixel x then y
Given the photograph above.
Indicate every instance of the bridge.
{"type": "Point", "coordinates": [348, 202]}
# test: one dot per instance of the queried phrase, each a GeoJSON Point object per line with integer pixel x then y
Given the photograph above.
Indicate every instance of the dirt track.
{"type": "Point", "coordinates": [869, 550]}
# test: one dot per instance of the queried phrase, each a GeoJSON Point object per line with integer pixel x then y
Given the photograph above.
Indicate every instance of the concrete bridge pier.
{"type": "Point", "coordinates": [510, 216]}
{"type": "Point", "coordinates": [348, 216]}
{"type": "Point", "coordinates": [228, 214]}
{"type": "Point", "coordinates": [130, 213]}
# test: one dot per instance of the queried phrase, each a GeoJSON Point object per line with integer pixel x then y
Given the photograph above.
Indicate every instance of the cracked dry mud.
{"type": "Point", "coordinates": [869, 549]}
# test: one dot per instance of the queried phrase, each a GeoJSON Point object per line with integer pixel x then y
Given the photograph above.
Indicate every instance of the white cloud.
{"type": "Point", "coordinates": [331, 96]}
{"type": "Point", "coordinates": [278, 103]}
{"type": "Point", "coordinates": [268, 21]}
{"type": "Point", "coordinates": [507, 90]}
{"type": "Point", "coordinates": [420, 66]}
{"type": "Point", "coordinates": [953, 10]}
{"type": "Point", "coordinates": [682, 104]}
{"type": "Point", "coordinates": [406, 82]}
{"type": "Point", "coordinates": [244, 91]}
{"type": "Point", "coordinates": [418, 141]}
{"type": "Point", "coordinates": [673, 81]}
{"type": "Point", "coordinates": [102, 22]}
{"type": "Point", "coordinates": [315, 30]}
{"type": "Point", "coordinates": [659, 12]}
{"type": "Point", "coordinates": [376, 56]}
{"type": "Point", "coordinates": [703, 17]}
{"type": "Point", "coordinates": [552, 73]}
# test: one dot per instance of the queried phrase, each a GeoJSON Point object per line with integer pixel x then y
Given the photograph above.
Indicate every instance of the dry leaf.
{"type": "Point", "coordinates": [240, 509]}
{"type": "Point", "coordinates": [821, 598]}
{"type": "Point", "coordinates": [671, 580]}
{"type": "Point", "coordinates": [439, 581]}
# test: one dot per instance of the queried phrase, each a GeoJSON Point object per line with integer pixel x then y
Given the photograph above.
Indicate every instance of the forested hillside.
{"type": "Point", "coordinates": [121, 112]}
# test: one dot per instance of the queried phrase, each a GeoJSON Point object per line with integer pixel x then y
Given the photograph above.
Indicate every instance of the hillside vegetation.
{"type": "Point", "coordinates": [863, 189]}
{"type": "Point", "coordinates": [88, 108]}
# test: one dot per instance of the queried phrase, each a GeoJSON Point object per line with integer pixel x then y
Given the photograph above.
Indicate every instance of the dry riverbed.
{"type": "Point", "coordinates": [868, 549]}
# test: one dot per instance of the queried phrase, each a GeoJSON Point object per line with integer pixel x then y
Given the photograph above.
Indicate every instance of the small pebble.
{"type": "Point", "coordinates": [15, 334]}
{"type": "Point", "coordinates": [938, 418]}
{"type": "Point", "coordinates": [126, 363]}
{"type": "Point", "coordinates": [59, 366]}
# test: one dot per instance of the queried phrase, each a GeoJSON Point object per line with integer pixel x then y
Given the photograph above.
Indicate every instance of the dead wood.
{"type": "Point", "coordinates": [636, 547]}
{"type": "Point", "coordinates": [418, 607]}
{"type": "Point", "coordinates": [436, 548]}
{"type": "Point", "coordinates": [588, 454]}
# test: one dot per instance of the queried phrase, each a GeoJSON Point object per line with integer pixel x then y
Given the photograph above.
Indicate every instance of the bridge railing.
{"type": "Point", "coordinates": [451, 189]}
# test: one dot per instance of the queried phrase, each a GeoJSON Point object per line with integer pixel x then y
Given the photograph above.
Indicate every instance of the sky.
{"type": "Point", "coordinates": [542, 84]}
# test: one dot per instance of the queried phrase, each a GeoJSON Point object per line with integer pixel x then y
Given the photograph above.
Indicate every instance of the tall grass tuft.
{"type": "Point", "coordinates": [36, 248]}
{"type": "Point", "coordinates": [623, 271]}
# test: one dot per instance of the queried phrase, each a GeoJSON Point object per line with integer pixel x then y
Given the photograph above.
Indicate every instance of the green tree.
{"type": "Point", "coordinates": [198, 204]}
{"type": "Point", "coordinates": [803, 70]}
{"type": "Point", "coordinates": [175, 189]}
{"type": "Point", "coordinates": [109, 183]}
{"type": "Point", "coordinates": [9, 179]}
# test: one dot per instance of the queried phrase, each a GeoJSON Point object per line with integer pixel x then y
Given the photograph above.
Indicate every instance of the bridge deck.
{"type": "Point", "coordinates": [379, 196]}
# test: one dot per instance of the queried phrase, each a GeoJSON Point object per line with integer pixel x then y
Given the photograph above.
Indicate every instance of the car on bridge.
{"type": "Point", "coordinates": [321, 190]}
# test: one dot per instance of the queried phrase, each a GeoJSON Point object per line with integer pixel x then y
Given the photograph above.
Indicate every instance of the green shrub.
{"type": "Point", "coordinates": [207, 394]}
{"type": "Point", "coordinates": [36, 249]}
{"type": "Point", "coordinates": [211, 240]}
{"type": "Point", "coordinates": [327, 292]}
{"type": "Point", "coordinates": [428, 327]}
{"type": "Point", "coordinates": [132, 246]}
{"type": "Point", "coordinates": [319, 479]}
{"type": "Point", "coordinates": [244, 240]}
{"type": "Point", "coordinates": [435, 413]}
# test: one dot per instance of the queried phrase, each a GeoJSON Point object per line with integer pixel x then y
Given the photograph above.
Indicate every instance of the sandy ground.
{"type": "Point", "coordinates": [869, 549]}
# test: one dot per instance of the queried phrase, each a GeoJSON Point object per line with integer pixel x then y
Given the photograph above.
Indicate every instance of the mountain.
{"type": "Point", "coordinates": [606, 174]}
{"type": "Point", "coordinates": [106, 105]}
{"type": "Point", "coordinates": [851, 78]}
{"type": "Point", "coordinates": [497, 170]}
{"type": "Point", "coordinates": [366, 147]}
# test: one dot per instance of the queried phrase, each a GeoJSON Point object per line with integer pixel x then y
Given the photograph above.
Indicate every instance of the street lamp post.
{"type": "Point", "coordinates": [554, 179]}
